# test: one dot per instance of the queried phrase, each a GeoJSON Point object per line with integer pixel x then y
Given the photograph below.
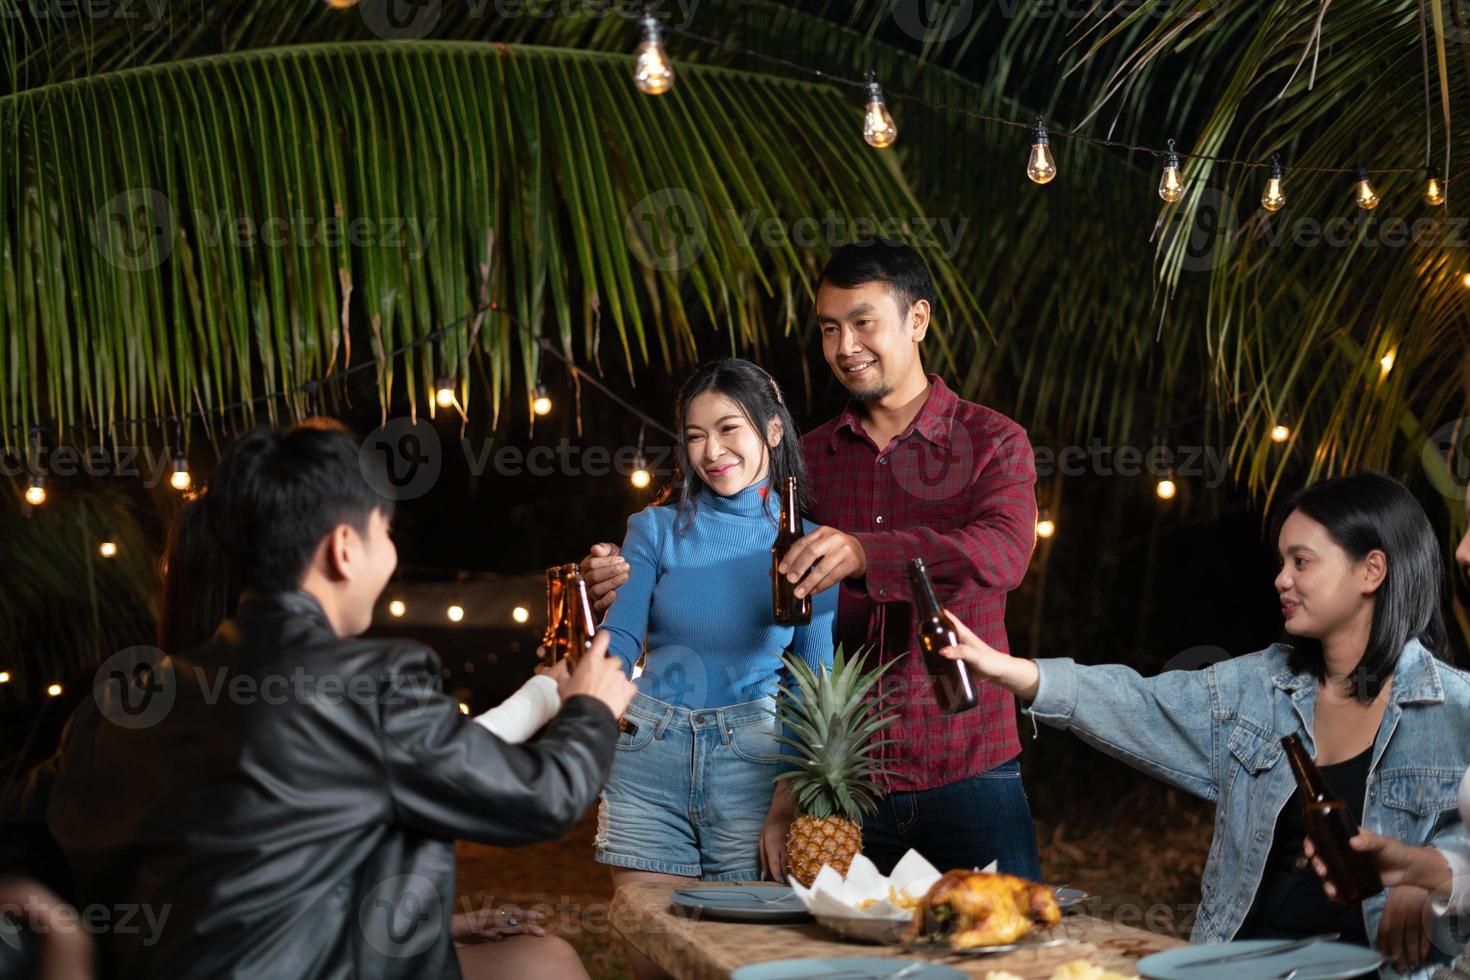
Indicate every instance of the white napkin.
{"type": "Point", "coordinates": [832, 894]}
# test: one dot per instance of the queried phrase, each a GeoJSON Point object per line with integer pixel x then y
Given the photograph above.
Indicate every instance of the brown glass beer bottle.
{"type": "Point", "coordinates": [581, 627]}
{"type": "Point", "coordinates": [788, 609]}
{"type": "Point", "coordinates": [1330, 826]}
{"type": "Point", "coordinates": [954, 685]}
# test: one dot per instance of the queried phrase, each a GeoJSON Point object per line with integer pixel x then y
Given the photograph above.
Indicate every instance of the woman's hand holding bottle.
{"type": "Point", "coordinates": [1015, 674]}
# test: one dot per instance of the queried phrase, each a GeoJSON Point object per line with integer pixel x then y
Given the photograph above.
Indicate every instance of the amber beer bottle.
{"type": "Point", "coordinates": [789, 610]}
{"type": "Point", "coordinates": [1330, 826]}
{"type": "Point", "coordinates": [555, 592]}
{"type": "Point", "coordinates": [577, 608]}
{"type": "Point", "coordinates": [954, 686]}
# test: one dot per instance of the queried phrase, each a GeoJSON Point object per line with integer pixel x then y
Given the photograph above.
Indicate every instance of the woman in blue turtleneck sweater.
{"type": "Point", "coordinates": [690, 789]}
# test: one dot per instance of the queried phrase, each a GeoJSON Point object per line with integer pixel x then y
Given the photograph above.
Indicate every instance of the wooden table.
{"type": "Point", "coordinates": [704, 949]}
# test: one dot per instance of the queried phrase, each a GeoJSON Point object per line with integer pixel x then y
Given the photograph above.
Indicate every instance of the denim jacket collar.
{"type": "Point", "coordinates": [1415, 680]}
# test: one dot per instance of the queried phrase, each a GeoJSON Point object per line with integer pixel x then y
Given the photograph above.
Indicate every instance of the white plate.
{"type": "Point", "coordinates": [1319, 961]}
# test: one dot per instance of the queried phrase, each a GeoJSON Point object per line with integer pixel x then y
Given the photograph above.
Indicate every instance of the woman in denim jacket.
{"type": "Point", "coordinates": [1364, 684]}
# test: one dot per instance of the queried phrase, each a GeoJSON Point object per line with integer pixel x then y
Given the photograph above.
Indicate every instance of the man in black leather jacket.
{"type": "Point", "coordinates": [283, 801]}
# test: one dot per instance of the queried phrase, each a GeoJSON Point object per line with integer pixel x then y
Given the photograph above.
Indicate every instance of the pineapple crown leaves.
{"type": "Point", "coordinates": [830, 723]}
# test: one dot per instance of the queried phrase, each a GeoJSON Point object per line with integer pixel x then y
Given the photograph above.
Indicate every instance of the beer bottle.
{"type": "Point", "coordinates": [954, 685]}
{"type": "Point", "coordinates": [1330, 826]}
{"type": "Point", "coordinates": [555, 592]}
{"type": "Point", "coordinates": [577, 606]}
{"type": "Point", "coordinates": [789, 610]}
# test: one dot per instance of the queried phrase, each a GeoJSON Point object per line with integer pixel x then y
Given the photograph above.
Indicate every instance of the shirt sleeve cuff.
{"type": "Point", "coordinates": [886, 579]}
{"type": "Point", "coordinates": [1056, 691]}
{"type": "Point", "coordinates": [1458, 901]}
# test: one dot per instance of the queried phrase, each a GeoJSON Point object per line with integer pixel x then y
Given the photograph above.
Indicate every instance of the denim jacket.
{"type": "Point", "coordinates": [1217, 733]}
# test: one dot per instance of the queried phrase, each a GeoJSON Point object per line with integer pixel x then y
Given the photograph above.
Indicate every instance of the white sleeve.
{"type": "Point", "coordinates": [523, 714]}
{"type": "Point", "coordinates": [1458, 900]}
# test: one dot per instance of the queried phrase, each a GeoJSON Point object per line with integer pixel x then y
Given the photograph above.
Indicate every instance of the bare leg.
{"type": "Point", "coordinates": [522, 958]}
{"type": "Point", "coordinates": [643, 967]}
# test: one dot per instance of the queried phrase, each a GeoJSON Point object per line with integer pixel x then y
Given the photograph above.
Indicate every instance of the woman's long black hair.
{"type": "Point", "coordinates": [759, 399]}
{"type": "Point", "coordinates": [199, 589]}
{"type": "Point", "coordinates": [1366, 512]}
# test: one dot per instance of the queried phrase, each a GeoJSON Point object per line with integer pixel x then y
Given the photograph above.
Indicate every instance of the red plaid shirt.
{"type": "Point", "coordinates": [958, 489]}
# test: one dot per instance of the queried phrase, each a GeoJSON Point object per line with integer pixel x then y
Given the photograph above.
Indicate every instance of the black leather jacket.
{"type": "Point", "coordinates": [293, 812]}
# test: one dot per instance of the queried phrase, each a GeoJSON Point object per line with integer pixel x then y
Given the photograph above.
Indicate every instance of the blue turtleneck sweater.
{"type": "Point", "coordinates": [700, 595]}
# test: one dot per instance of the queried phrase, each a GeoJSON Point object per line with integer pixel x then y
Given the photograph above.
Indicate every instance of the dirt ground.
{"type": "Point", "coordinates": [1141, 857]}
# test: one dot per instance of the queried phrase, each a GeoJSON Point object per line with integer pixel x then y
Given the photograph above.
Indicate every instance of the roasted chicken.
{"type": "Point", "coordinates": [969, 909]}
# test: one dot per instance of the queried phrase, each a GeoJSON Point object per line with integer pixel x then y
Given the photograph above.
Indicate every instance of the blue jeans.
{"type": "Point", "coordinates": [966, 824]}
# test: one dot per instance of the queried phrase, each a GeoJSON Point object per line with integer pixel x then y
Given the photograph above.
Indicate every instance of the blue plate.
{"type": "Point", "coordinates": [859, 968]}
{"type": "Point", "coordinates": [767, 903]}
{"type": "Point", "coordinates": [1319, 961]}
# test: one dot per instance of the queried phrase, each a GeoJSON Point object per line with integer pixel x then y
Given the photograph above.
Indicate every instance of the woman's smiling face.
{"type": "Point", "coordinates": [724, 448]}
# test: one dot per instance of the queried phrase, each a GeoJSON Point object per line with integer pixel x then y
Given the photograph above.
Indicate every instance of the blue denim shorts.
{"type": "Point", "coordinates": [689, 791]}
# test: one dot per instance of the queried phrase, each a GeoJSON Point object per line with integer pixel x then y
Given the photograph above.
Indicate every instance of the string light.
{"type": "Point", "coordinates": [455, 612]}
{"type": "Point", "coordinates": [1171, 185]}
{"type": "Point", "coordinates": [36, 490]}
{"type": "Point", "coordinates": [1166, 488]}
{"type": "Point", "coordinates": [341, 4]}
{"type": "Point", "coordinates": [396, 608]}
{"type": "Point", "coordinates": [1280, 432]}
{"type": "Point", "coordinates": [520, 614]}
{"type": "Point", "coordinates": [878, 127]}
{"type": "Point", "coordinates": [180, 479]}
{"type": "Point", "coordinates": [54, 690]}
{"type": "Point", "coordinates": [1040, 165]}
{"type": "Point", "coordinates": [4, 677]}
{"type": "Point", "coordinates": [540, 400]}
{"type": "Point", "coordinates": [108, 548]}
{"type": "Point", "coordinates": [444, 393]}
{"type": "Point", "coordinates": [1363, 191]}
{"type": "Point", "coordinates": [1465, 280]}
{"type": "Point", "coordinates": [464, 709]}
{"type": "Point", "coordinates": [1046, 526]}
{"type": "Point", "coordinates": [641, 477]}
{"type": "Point", "coordinates": [653, 74]}
{"type": "Point", "coordinates": [1433, 188]}
{"type": "Point", "coordinates": [1274, 199]}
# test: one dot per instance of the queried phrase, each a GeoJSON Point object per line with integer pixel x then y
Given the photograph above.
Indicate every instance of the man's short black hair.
{"type": "Point", "coordinates": [275, 495]}
{"type": "Point", "coordinates": [898, 267]}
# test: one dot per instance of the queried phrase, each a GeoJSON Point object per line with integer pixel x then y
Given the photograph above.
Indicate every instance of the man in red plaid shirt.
{"type": "Point", "coordinates": [910, 470]}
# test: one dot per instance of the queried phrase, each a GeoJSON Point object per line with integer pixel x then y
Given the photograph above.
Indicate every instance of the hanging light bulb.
{"type": "Point", "coordinates": [1465, 280]}
{"type": "Point", "coordinates": [520, 614]}
{"type": "Point", "coordinates": [108, 548]}
{"type": "Point", "coordinates": [1166, 488]}
{"type": "Point", "coordinates": [341, 4]}
{"type": "Point", "coordinates": [1363, 191]}
{"type": "Point", "coordinates": [1274, 199]}
{"type": "Point", "coordinates": [396, 608]}
{"type": "Point", "coordinates": [54, 690]}
{"type": "Point", "coordinates": [1046, 526]}
{"type": "Point", "coordinates": [444, 393]}
{"type": "Point", "coordinates": [878, 127]}
{"type": "Point", "coordinates": [180, 479]}
{"type": "Point", "coordinates": [455, 612]}
{"type": "Point", "coordinates": [1171, 185]}
{"type": "Point", "coordinates": [1040, 166]}
{"type": "Point", "coordinates": [540, 400]}
{"type": "Point", "coordinates": [641, 477]}
{"type": "Point", "coordinates": [1433, 188]}
{"type": "Point", "coordinates": [36, 490]}
{"type": "Point", "coordinates": [4, 677]}
{"type": "Point", "coordinates": [653, 74]}
{"type": "Point", "coordinates": [1280, 432]}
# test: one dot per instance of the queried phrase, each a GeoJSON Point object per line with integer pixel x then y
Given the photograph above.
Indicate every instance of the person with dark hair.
{"type": "Point", "coordinates": [199, 590]}
{"type": "Point", "coordinates": [1368, 683]}
{"type": "Point", "coordinates": [910, 470]}
{"type": "Point", "coordinates": [692, 786]}
{"type": "Point", "coordinates": [282, 801]}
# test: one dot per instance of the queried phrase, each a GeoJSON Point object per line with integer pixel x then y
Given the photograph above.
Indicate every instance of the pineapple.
{"type": "Point", "coordinates": [830, 723]}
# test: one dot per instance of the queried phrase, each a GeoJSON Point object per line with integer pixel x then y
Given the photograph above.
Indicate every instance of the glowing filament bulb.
{"type": "Point", "coordinates": [1046, 526]}
{"type": "Point", "coordinates": [107, 549]}
{"type": "Point", "coordinates": [653, 74]}
{"type": "Point", "coordinates": [455, 613]}
{"type": "Point", "coordinates": [1167, 488]}
{"type": "Point", "coordinates": [641, 477]}
{"type": "Point", "coordinates": [1280, 432]}
{"type": "Point", "coordinates": [444, 394]}
{"type": "Point", "coordinates": [179, 479]}
{"type": "Point", "coordinates": [397, 608]}
{"type": "Point", "coordinates": [36, 491]}
{"type": "Point", "coordinates": [1363, 191]}
{"type": "Point", "coordinates": [1433, 188]}
{"type": "Point", "coordinates": [520, 614]}
{"type": "Point", "coordinates": [1274, 199]}
{"type": "Point", "coordinates": [1040, 166]}
{"type": "Point", "coordinates": [878, 127]}
{"type": "Point", "coordinates": [54, 690]}
{"type": "Point", "coordinates": [540, 401]}
{"type": "Point", "coordinates": [1171, 184]}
